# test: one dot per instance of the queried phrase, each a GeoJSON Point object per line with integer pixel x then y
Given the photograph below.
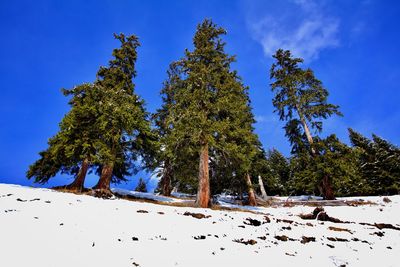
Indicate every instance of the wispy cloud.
{"type": "Point", "coordinates": [305, 28]}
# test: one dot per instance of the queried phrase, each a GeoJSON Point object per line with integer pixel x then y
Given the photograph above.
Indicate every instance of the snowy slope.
{"type": "Point", "coordinates": [41, 227]}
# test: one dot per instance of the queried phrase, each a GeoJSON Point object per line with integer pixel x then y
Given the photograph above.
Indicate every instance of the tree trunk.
{"type": "Point", "coordinates": [78, 183]}
{"type": "Point", "coordinates": [327, 190]}
{"type": "Point", "coordinates": [203, 191]}
{"type": "Point", "coordinates": [250, 191]}
{"type": "Point", "coordinates": [308, 134]}
{"type": "Point", "coordinates": [105, 177]}
{"type": "Point", "coordinates": [166, 180]}
{"type": "Point", "coordinates": [262, 188]}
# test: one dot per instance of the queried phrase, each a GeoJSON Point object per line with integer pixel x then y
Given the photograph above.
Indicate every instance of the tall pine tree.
{"type": "Point", "coordinates": [210, 115]}
{"type": "Point", "coordinates": [300, 100]}
{"type": "Point", "coordinates": [126, 135]}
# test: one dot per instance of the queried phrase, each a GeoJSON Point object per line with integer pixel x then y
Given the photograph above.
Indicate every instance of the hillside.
{"type": "Point", "coordinates": [42, 227]}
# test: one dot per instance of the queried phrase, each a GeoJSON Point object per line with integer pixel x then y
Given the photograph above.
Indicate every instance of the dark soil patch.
{"type": "Point", "coordinates": [200, 237]}
{"type": "Point", "coordinates": [21, 200]}
{"type": "Point", "coordinates": [135, 238]}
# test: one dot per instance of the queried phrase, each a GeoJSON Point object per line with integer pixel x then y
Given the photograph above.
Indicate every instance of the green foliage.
{"type": "Point", "coordinates": [379, 163]}
{"type": "Point", "coordinates": [300, 99]}
{"type": "Point", "coordinates": [107, 123]}
{"type": "Point", "coordinates": [141, 187]}
{"type": "Point", "coordinates": [334, 160]}
{"type": "Point", "coordinates": [205, 102]}
{"type": "Point", "coordinates": [278, 172]}
{"type": "Point", "coordinates": [75, 141]}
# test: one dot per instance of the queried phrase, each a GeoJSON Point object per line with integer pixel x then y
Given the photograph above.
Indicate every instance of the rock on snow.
{"type": "Point", "coordinates": [41, 227]}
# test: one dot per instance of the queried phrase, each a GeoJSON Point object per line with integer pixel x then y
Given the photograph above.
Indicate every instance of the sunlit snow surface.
{"type": "Point", "coordinates": [41, 227]}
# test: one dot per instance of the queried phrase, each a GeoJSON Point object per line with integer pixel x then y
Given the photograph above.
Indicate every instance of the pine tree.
{"type": "Point", "coordinates": [300, 100]}
{"type": "Point", "coordinates": [141, 187]}
{"type": "Point", "coordinates": [73, 148]}
{"type": "Point", "coordinates": [278, 172]}
{"type": "Point", "coordinates": [379, 163]}
{"type": "Point", "coordinates": [124, 124]}
{"type": "Point", "coordinates": [210, 111]}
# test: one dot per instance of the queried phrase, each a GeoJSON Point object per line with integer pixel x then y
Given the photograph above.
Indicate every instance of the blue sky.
{"type": "Point", "coordinates": [47, 45]}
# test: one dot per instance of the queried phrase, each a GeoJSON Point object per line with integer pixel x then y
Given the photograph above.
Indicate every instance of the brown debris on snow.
{"type": "Point", "coordinates": [253, 222]}
{"type": "Point", "coordinates": [246, 242]}
{"type": "Point", "coordinates": [337, 229]}
{"type": "Point", "coordinates": [320, 214]}
{"type": "Point", "coordinates": [381, 226]}
{"type": "Point", "coordinates": [306, 239]}
{"type": "Point", "coordinates": [142, 211]}
{"type": "Point", "coordinates": [196, 215]}
{"type": "Point", "coordinates": [337, 239]}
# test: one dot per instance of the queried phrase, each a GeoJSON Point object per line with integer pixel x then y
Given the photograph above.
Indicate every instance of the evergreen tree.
{"type": "Point", "coordinates": [300, 100]}
{"type": "Point", "coordinates": [124, 125]}
{"type": "Point", "coordinates": [210, 110]}
{"type": "Point", "coordinates": [379, 163]}
{"type": "Point", "coordinates": [278, 172]}
{"type": "Point", "coordinates": [335, 161]}
{"type": "Point", "coordinates": [73, 148]}
{"type": "Point", "coordinates": [141, 187]}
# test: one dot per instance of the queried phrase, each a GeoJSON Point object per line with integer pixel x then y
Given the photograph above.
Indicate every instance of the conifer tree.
{"type": "Point", "coordinates": [300, 100]}
{"type": "Point", "coordinates": [379, 163]}
{"type": "Point", "coordinates": [73, 148]}
{"type": "Point", "coordinates": [141, 187]}
{"type": "Point", "coordinates": [124, 124]}
{"type": "Point", "coordinates": [210, 113]}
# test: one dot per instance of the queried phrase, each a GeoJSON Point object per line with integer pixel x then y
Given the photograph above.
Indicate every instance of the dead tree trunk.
{"type": "Point", "coordinates": [262, 188]}
{"type": "Point", "coordinates": [203, 191]}
{"type": "Point", "coordinates": [250, 191]}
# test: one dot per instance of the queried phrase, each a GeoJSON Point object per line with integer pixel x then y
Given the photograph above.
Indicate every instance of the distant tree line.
{"type": "Point", "coordinates": [202, 140]}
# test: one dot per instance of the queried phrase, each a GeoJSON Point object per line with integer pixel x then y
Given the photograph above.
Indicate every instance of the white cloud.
{"type": "Point", "coordinates": [305, 29]}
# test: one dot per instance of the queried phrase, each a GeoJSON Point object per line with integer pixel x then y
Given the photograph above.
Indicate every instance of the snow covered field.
{"type": "Point", "coordinates": [41, 227]}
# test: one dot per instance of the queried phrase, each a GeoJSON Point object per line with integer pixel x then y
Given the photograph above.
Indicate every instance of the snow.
{"type": "Point", "coordinates": [41, 227]}
{"type": "Point", "coordinates": [150, 196]}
